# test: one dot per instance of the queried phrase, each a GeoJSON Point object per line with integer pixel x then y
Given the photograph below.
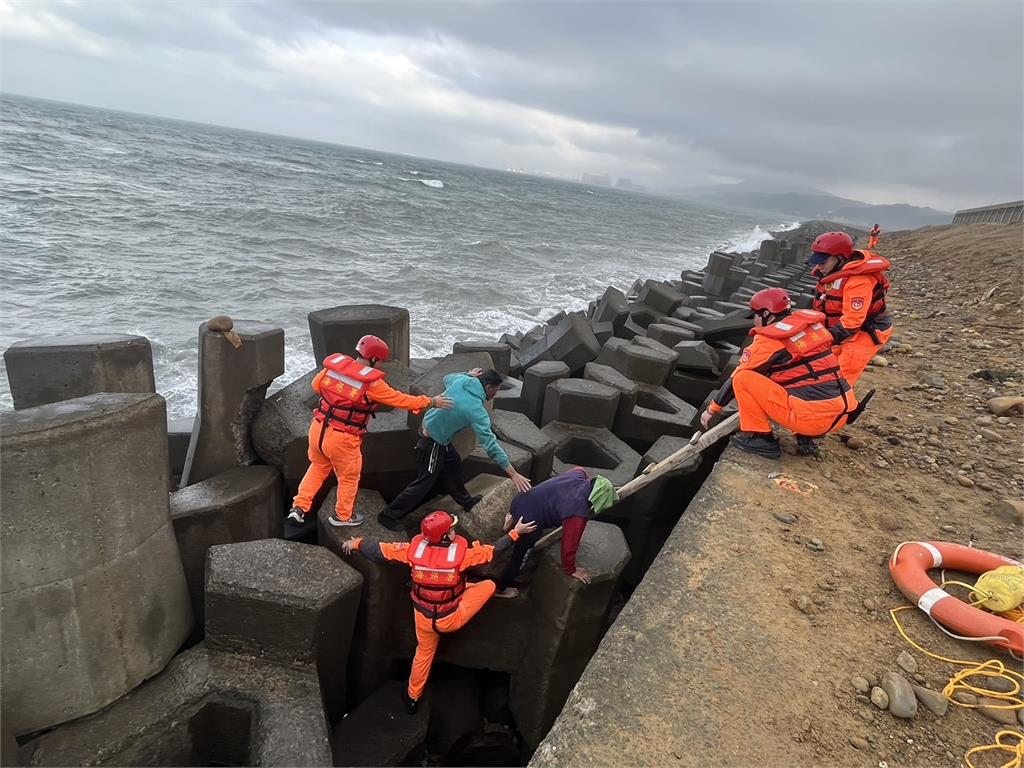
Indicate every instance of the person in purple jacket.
{"type": "Point", "coordinates": [568, 500]}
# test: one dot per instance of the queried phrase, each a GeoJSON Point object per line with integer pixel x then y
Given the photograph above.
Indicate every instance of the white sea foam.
{"type": "Point", "coordinates": [435, 183]}
{"type": "Point", "coordinates": [751, 241]}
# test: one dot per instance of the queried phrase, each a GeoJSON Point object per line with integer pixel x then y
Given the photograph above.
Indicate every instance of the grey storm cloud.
{"type": "Point", "coordinates": [898, 101]}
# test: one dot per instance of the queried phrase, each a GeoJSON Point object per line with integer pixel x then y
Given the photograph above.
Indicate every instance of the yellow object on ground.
{"type": "Point", "coordinates": [1000, 590]}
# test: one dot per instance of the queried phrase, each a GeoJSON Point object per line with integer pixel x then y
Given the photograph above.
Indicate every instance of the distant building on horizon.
{"type": "Point", "coordinates": [597, 179]}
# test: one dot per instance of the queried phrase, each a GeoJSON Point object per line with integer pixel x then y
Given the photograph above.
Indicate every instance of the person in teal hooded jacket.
{"type": "Point", "coordinates": [438, 464]}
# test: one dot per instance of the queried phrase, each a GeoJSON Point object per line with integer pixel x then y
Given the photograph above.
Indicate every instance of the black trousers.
{"type": "Point", "coordinates": [439, 470]}
{"type": "Point", "coordinates": [520, 551]}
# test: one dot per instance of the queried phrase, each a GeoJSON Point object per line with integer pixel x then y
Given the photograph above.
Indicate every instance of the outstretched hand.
{"type": "Point", "coordinates": [350, 546]}
{"type": "Point", "coordinates": [476, 372]}
{"type": "Point", "coordinates": [441, 402]}
{"type": "Point", "coordinates": [522, 484]}
{"type": "Point", "coordinates": [582, 575]}
{"type": "Point", "coordinates": [705, 419]}
{"type": "Point", "coordinates": [506, 526]}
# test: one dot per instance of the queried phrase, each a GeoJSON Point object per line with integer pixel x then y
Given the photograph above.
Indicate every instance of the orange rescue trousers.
{"type": "Point", "coordinates": [762, 401]}
{"type": "Point", "coordinates": [855, 353]}
{"type": "Point", "coordinates": [472, 600]}
{"type": "Point", "coordinates": [341, 453]}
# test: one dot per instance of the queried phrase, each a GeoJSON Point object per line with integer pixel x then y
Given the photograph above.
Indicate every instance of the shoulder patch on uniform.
{"type": "Point", "coordinates": [745, 357]}
{"type": "Point", "coordinates": [857, 304]}
{"type": "Point", "coordinates": [400, 545]}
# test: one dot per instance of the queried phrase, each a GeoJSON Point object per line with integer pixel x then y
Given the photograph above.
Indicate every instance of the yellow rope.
{"type": "Point", "coordinates": [993, 668]}
{"type": "Point", "coordinates": [1003, 743]}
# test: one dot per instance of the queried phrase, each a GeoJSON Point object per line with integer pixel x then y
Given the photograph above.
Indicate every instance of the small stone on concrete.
{"type": "Point", "coordinates": [902, 702]}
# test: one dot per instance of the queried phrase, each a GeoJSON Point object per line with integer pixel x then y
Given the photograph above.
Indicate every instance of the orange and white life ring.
{"type": "Point", "coordinates": [909, 568]}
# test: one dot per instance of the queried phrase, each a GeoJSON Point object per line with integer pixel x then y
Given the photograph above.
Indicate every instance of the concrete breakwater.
{"type": "Point", "coordinates": [150, 598]}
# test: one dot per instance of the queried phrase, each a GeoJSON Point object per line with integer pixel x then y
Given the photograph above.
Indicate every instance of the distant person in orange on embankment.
{"type": "Point", "coordinates": [873, 240]}
{"type": "Point", "coordinates": [788, 375]}
{"type": "Point", "coordinates": [351, 390]}
{"type": "Point", "coordinates": [852, 286]}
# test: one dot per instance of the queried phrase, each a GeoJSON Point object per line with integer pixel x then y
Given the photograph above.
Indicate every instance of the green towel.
{"type": "Point", "coordinates": [603, 495]}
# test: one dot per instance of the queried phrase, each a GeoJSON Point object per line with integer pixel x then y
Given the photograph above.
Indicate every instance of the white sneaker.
{"type": "Point", "coordinates": [297, 516]}
{"type": "Point", "coordinates": [356, 519]}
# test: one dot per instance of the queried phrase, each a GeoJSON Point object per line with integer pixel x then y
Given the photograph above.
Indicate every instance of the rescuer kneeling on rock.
{"type": "Point", "coordinates": [788, 375]}
{"type": "Point", "coordinates": [568, 500]}
{"type": "Point", "coordinates": [351, 390]}
{"type": "Point", "coordinates": [442, 598]}
{"type": "Point", "coordinates": [851, 291]}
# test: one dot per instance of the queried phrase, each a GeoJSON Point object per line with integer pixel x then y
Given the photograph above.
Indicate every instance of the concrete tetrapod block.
{"type": "Point", "coordinates": [510, 396]}
{"type": "Point", "coordinates": [612, 308]}
{"type": "Point", "coordinates": [580, 401]}
{"type": "Point", "coordinates": [669, 334]}
{"type": "Point", "coordinates": [686, 325]}
{"type": "Point", "coordinates": [280, 431]}
{"type": "Point", "coordinates": [501, 354]}
{"type": "Point", "coordinates": [643, 315]}
{"type": "Point", "coordinates": [379, 731]}
{"type": "Point", "coordinates": [242, 504]}
{"type": "Point", "coordinates": [179, 435]}
{"type": "Point", "coordinates": [232, 386]}
{"type": "Point", "coordinates": [661, 297]}
{"type": "Point", "coordinates": [627, 388]}
{"type": "Point", "coordinates": [647, 517]}
{"type": "Point", "coordinates": [517, 429]}
{"type": "Point", "coordinates": [657, 412]}
{"type": "Point", "coordinates": [285, 602]}
{"type": "Point", "coordinates": [206, 708]}
{"type": "Point", "coordinates": [595, 449]}
{"type": "Point", "coordinates": [692, 386]}
{"type": "Point", "coordinates": [536, 379]}
{"type": "Point", "coordinates": [432, 383]}
{"type": "Point", "coordinates": [637, 362]}
{"type": "Point", "coordinates": [337, 329]}
{"type": "Point", "coordinates": [94, 597]}
{"type": "Point", "coordinates": [697, 356]}
{"type": "Point", "coordinates": [385, 596]}
{"type": "Point", "coordinates": [569, 621]}
{"type": "Point", "coordinates": [55, 368]}
{"type": "Point", "coordinates": [571, 341]}
{"type": "Point", "coordinates": [479, 463]}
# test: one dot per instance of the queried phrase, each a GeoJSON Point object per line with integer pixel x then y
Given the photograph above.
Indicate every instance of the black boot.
{"type": "Point", "coordinates": [472, 503]}
{"type": "Point", "coordinates": [806, 446]}
{"type": "Point", "coordinates": [411, 704]}
{"type": "Point", "coordinates": [389, 522]}
{"type": "Point", "coordinates": [759, 443]}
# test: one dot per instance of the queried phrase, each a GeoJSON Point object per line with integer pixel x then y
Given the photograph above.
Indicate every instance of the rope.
{"type": "Point", "coordinates": [1003, 743]}
{"type": "Point", "coordinates": [993, 668]}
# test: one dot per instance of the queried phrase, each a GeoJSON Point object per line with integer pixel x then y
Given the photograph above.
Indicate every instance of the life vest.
{"type": "Point", "coordinates": [437, 578]}
{"type": "Point", "coordinates": [829, 293]}
{"type": "Point", "coordinates": [809, 344]}
{"type": "Point", "coordinates": [344, 404]}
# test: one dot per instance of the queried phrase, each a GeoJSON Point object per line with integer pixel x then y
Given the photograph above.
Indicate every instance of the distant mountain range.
{"type": "Point", "coordinates": [814, 204]}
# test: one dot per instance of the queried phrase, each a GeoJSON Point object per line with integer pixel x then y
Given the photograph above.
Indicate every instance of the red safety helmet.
{"type": "Point", "coordinates": [436, 525]}
{"type": "Point", "coordinates": [373, 348]}
{"type": "Point", "coordinates": [772, 300]}
{"type": "Point", "coordinates": [834, 244]}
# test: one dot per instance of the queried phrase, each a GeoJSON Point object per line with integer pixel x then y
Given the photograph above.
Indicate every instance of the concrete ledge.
{"type": "Point", "coordinates": [664, 687]}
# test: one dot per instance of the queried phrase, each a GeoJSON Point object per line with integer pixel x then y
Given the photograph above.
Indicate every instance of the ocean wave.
{"type": "Point", "coordinates": [435, 183]}
{"type": "Point", "coordinates": [751, 241]}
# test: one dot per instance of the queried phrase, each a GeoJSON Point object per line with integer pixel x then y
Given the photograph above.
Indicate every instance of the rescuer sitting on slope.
{"type": "Point", "coordinates": [788, 375]}
{"type": "Point", "coordinates": [442, 599]}
{"type": "Point", "coordinates": [851, 292]}
{"type": "Point", "coordinates": [351, 390]}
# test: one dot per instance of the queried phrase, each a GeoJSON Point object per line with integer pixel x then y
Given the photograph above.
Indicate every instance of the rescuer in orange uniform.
{"type": "Point", "coordinates": [873, 240]}
{"type": "Point", "coordinates": [351, 390]}
{"type": "Point", "coordinates": [851, 291]}
{"type": "Point", "coordinates": [788, 375]}
{"type": "Point", "coordinates": [442, 599]}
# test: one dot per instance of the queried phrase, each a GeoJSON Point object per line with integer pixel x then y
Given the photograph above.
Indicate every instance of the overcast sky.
{"type": "Point", "coordinates": [916, 102]}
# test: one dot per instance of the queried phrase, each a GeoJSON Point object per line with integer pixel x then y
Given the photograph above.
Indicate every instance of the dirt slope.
{"type": "Point", "coordinates": [774, 594]}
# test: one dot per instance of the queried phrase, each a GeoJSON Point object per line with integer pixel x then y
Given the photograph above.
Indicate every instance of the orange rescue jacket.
{"type": "Point", "coordinates": [344, 403]}
{"type": "Point", "coordinates": [438, 580]}
{"type": "Point", "coordinates": [853, 297]}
